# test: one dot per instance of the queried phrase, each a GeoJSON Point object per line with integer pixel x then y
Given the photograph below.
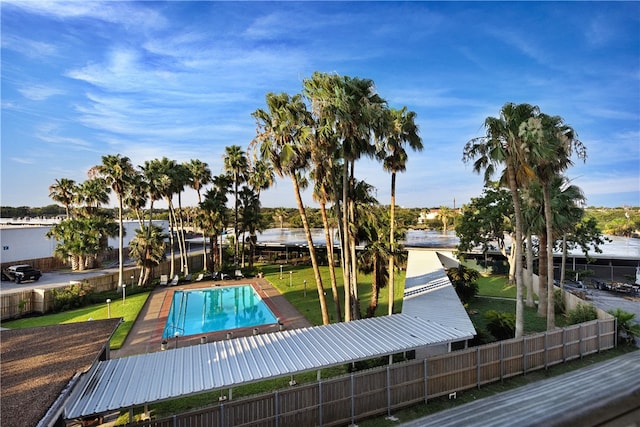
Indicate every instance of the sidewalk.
{"type": "Point", "coordinates": [146, 334]}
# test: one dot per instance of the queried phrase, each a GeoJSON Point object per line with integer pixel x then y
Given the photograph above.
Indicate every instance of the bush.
{"type": "Point", "coordinates": [558, 302]}
{"type": "Point", "coordinates": [72, 296]}
{"type": "Point", "coordinates": [627, 330]}
{"type": "Point", "coordinates": [464, 282]}
{"type": "Point", "coordinates": [501, 325]}
{"type": "Point", "coordinates": [582, 313]}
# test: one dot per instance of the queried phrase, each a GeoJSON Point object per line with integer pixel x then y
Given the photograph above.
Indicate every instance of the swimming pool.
{"type": "Point", "coordinates": [198, 311]}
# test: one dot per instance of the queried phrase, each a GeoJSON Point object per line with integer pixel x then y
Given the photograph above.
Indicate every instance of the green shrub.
{"type": "Point", "coordinates": [582, 313]}
{"type": "Point", "coordinates": [464, 281]}
{"type": "Point", "coordinates": [501, 325]}
{"type": "Point", "coordinates": [72, 296]}
{"type": "Point", "coordinates": [558, 302]}
{"type": "Point", "coordinates": [627, 330]}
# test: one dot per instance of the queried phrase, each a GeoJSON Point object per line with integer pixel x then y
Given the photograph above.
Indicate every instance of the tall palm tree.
{"type": "Point", "coordinates": [148, 249]}
{"type": "Point", "coordinates": [551, 143]}
{"type": "Point", "coordinates": [284, 130]}
{"type": "Point", "coordinates": [348, 113]}
{"type": "Point", "coordinates": [236, 165]}
{"type": "Point", "coordinates": [400, 131]}
{"type": "Point", "coordinates": [117, 170]}
{"type": "Point", "coordinates": [63, 191]}
{"type": "Point", "coordinates": [93, 193]}
{"type": "Point", "coordinates": [200, 176]}
{"type": "Point", "coordinates": [261, 176]}
{"type": "Point", "coordinates": [214, 215]}
{"type": "Point", "coordinates": [503, 146]}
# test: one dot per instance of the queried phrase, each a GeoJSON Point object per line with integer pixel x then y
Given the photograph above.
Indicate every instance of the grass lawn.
{"type": "Point", "coordinates": [128, 311]}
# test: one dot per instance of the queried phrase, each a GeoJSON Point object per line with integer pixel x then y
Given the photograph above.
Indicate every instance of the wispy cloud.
{"type": "Point", "coordinates": [40, 93]}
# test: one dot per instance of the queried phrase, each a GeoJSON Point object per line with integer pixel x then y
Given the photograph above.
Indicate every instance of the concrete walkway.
{"type": "Point", "coordinates": [146, 334]}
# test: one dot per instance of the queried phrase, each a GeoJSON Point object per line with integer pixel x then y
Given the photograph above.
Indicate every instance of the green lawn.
{"type": "Point", "coordinates": [128, 311]}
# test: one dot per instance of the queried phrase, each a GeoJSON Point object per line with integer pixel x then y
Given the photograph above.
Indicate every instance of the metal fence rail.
{"type": "Point", "coordinates": [347, 399]}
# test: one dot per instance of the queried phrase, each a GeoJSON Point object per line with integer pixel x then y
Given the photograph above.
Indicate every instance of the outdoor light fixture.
{"type": "Point", "coordinates": [108, 308]}
{"type": "Point", "coordinates": [124, 293]}
{"type": "Point", "coordinates": [176, 334]}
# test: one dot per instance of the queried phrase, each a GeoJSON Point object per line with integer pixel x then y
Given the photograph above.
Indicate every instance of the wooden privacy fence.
{"type": "Point", "coordinates": [41, 300]}
{"type": "Point", "coordinates": [350, 398]}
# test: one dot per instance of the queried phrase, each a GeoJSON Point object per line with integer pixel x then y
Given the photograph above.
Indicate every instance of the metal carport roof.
{"type": "Point", "coordinates": [138, 380]}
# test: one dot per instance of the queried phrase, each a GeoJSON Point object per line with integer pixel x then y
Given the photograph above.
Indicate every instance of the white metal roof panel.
{"type": "Point", "coordinates": [430, 295]}
{"type": "Point", "coordinates": [137, 380]}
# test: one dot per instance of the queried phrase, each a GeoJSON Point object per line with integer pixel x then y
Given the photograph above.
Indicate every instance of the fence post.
{"type": "Point", "coordinates": [524, 356]}
{"type": "Point", "coordinates": [599, 337]}
{"type": "Point", "coordinates": [564, 345]}
{"type": "Point", "coordinates": [546, 350]}
{"type": "Point", "coordinates": [221, 414]}
{"type": "Point", "coordinates": [580, 341]}
{"type": "Point", "coordinates": [501, 361]}
{"type": "Point", "coordinates": [353, 403]}
{"type": "Point", "coordinates": [478, 367]}
{"type": "Point", "coordinates": [388, 392]}
{"type": "Point", "coordinates": [320, 403]}
{"type": "Point", "coordinates": [426, 381]}
{"type": "Point", "coordinates": [276, 409]}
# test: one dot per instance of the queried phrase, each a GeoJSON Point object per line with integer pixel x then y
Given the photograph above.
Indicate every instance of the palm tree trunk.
{"type": "Point", "coordinates": [120, 243]}
{"type": "Point", "coordinates": [564, 261]}
{"type": "Point", "coordinates": [542, 276]}
{"type": "Point", "coordinates": [517, 247]}
{"type": "Point", "coordinates": [332, 270]}
{"type": "Point", "coordinates": [392, 243]}
{"type": "Point", "coordinates": [375, 289]}
{"type": "Point", "coordinates": [551, 309]}
{"type": "Point", "coordinates": [529, 275]}
{"type": "Point", "coordinates": [312, 253]}
{"type": "Point", "coordinates": [346, 269]}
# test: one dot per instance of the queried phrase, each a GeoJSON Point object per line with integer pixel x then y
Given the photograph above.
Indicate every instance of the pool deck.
{"type": "Point", "coordinates": [146, 334]}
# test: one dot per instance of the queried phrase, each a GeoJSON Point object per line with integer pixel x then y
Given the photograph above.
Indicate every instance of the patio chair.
{"type": "Point", "coordinates": [175, 280]}
{"type": "Point", "coordinates": [164, 279]}
{"type": "Point", "coordinates": [238, 274]}
{"type": "Point", "coordinates": [199, 277]}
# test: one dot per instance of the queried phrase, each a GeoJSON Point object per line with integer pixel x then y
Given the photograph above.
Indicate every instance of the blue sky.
{"type": "Point", "coordinates": [180, 79]}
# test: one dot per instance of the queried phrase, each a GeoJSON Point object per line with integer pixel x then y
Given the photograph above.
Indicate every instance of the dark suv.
{"type": "Point", "coordinates": [20, 273]}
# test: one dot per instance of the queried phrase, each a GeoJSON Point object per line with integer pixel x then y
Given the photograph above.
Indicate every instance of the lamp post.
{"type": "Point", "coordinates": [176, 334]}
{"type": "Point", "coordinates": [124, 293]}
{"type": "Point", "coordinates": [108, 308]}
{"type": "Point", "coordinates": [305, 288]}
{"type": "Point", "coordinates": [132, 278]}
{"type": "Point", "coordinates": [280, 271]}
{"type": "Point", "coordinates": [290, 278]}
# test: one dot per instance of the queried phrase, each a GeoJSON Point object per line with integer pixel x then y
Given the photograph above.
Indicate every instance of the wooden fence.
{"type": "Point", "coordinates": [347, 399]}
{"type": "Point", "coordinates": [41, 300]}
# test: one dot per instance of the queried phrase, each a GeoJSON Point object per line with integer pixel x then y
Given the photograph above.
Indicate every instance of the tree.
{"type": "Point", "coordinates": [148, 249]}
{"type": "Point", "coordinates": [236, 165]}
{"type": "Point", "coordinates": [486, 220]}
{"type": "Point", "coordinates": [503, 146]}
{"type": "Point", "coordinates": [348, 114]}
{"type": "Point", "coordinates": [64, 191]}
{"type": "Point", "coordinates": [117, 171]}
{"type": "Point", "coordinates": [282, 140]}
{"type": "Point", "coordinates": [550, 143]}
{"type": "Point", "coordinates": [400, 130]}
{"type": "Point", "coordinates": [464, 281]}
{"type": "Point", "coordinates": [200, 176]}
{"type": "Point", "coordinates": [214, 215]}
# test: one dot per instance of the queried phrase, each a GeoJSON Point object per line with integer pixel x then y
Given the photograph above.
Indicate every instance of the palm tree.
{"type": "Point", "coordinates": [117, 171]}
{"type": "Point", "coordinates": [282, 140]}
{"type": "Point", "coordinates": [348, 113]}
{"type": "Point", "coordinates": [200, 176]}
{"type": "Point", "coordinates": [504, 146]}
{"type": "Point", "coordinates": [214, 215]}
{"type": "Point", "coordinates": [261, 176]}
{"type": "Point", "coordinates": [551, 143]}
{"type": "Point", "coordinates": [280, 214]}
{"type": "Point", "coordinates": [93, 193]}
{"type": "Point", "coordinates": [401, 130]}
{"type": "Point", "coordinates": [148, 249]}
{"type": "Point", "coordinates": [236, 165]}
{"type": "Point", "coordinates": [250, 220]}
{"type": "Point", "coordinates": [64, 191]}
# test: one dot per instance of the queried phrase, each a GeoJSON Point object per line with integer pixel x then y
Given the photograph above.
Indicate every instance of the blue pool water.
{"type": "Point", "coordinates": [198, 311]}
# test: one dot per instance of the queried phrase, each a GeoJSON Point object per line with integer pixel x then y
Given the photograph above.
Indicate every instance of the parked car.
{"type": "Point", "coordinates": [21, 273]}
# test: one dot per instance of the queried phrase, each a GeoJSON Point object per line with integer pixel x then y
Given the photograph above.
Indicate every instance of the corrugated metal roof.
{"type": "Point", "coordinates": [432, 314]}
{"type": "Point", "coordinates": [138, 380]}
{"type": "Point", "coordinates": [429, 294]}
